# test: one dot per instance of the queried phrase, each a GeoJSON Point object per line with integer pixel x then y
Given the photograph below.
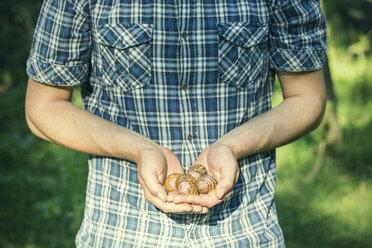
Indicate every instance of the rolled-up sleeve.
{"type": "Point", "coordinates": [297, 38]}
{"type": "Point", "coordinates": [61, 46]}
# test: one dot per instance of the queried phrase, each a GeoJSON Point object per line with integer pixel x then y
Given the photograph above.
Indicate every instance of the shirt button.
{"type": "Point", "coordinates": [184, 35]}
{"type": "Point", "coordinates": [192, 236]}
{"type": "Point", "coordinates": [185, 87]}
{"type": "Point", "coordinates": [189, 137]}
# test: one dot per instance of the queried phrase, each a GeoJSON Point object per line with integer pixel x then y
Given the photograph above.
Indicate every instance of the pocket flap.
{"type": "Point", "coordinates": [124, 35]}
{"type": "Point", "coordinates": [242, 33]}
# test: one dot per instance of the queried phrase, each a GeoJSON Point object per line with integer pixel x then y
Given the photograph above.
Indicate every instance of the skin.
{"type": "Point", "coordinates": [51, 116]}
{"type": "Point", "coordinates": [301, 111]}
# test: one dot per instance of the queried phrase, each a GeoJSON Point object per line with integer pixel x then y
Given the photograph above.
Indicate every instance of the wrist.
{"type": "Point", "coordinates": [225, 145]}
{"type": "Point", "coordinates": [143, 149]}
{"type": "Point", "coordinates": [238, 145]}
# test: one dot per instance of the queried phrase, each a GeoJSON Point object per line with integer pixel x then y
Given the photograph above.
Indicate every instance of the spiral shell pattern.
{"type": "Point", "coordinates": [186, 185]}
{"type": "Point", "coordinates": [206, 184]}
{"type": "Point", "coordinates": [170, 182]}
{"type": "Point", "coordinates": [195, 182]}
{"type": "Point", "coordinates": [198, 167]}
{"type": "Point", "coordinates": [196, 174]}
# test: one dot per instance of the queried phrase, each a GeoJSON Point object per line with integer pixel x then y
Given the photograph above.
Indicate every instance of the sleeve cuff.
{"type": "Point", "coordinates": [56, 74]}
{"type": "Point", "coordinates": [297, 60]}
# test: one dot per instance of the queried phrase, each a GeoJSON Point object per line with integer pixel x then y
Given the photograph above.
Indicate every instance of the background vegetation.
{"type": "Point", "coordinates": [324, 182]}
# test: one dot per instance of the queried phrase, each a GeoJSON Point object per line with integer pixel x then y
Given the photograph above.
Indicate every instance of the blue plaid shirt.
{"type": "Point", "coordinates": [182, 73]}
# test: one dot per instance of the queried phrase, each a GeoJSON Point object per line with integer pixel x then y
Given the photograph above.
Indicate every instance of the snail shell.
{"type": "Point", "coordinates": [195, 174]}
{"type": "Point", "coordinates": [206, 184]}
{"type": "Point", "coordinates": [170, 182]}
{"type": "Point", "coordinates": [186, 185]}
{"type": "Point", "coordinates": [198, 167]}
{"type": "Point", "coordinates": [196, 181]}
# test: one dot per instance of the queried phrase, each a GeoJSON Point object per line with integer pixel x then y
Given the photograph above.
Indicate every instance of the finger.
{"type": "Point", "coordinates": [204, 210]}
{"type": "Point", "coordinates": [174, 165]}
{"type": "Point", "coordinates": [197, 208]}
{"type": "Point", "coordinates": [172, 195]}
{"type": "Point", "coordinates": [178, 198]}
{"type": "Point", "coordinates": [181, 199]}
{"type": "Point", "coordinates": [168, 207]}
{"type": "Point", "coordinates": [226, 195]}
{"type": "Point", "coordinates": [154, 186]}
{"type": "Point", "coordinates": [226, 183]}
{"type": "Point", "coordinates": [205, 200]}
{"type": "Point", "coordinates": [202, 158]}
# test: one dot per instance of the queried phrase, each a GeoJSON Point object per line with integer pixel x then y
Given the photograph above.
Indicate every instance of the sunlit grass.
{"type": "Point", "coordinates": [352, 77]}
{"type": "Point", "coordinates": [42, 186]}
{"type": "Point", "coordinates": [334, 209]}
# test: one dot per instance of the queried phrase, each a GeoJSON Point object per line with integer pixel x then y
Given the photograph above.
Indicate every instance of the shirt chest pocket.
{"type": "Point", "coordinates": [242, 53]}
{"type": "Point", "coordinates": [125, 54]}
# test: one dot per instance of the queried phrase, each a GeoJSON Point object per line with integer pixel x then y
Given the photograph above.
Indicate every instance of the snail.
{"type": "Point", "coordinates": [198, 167]}
{"type": "Point", "coordinates": [186, 185]}
{"type": "Point", "coordinates": [170, 182]}
{"type": "Point", "coordinates": [206, 184]}
{"type": "Point", "coordinates": [196, 181]}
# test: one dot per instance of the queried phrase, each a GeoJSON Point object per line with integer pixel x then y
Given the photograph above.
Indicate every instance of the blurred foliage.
{"type": "Point", "coordinates": [335, 209]}
{"type": "Point", "coordinates": [42, 186]}
{"type": "Point", "coordinates": [348, 21]}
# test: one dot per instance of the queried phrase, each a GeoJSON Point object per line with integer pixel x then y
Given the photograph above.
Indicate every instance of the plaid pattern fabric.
{"type": "Point", "coordinates": [182, 73]}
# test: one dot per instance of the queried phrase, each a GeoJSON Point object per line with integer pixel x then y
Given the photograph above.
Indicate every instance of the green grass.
{"type": "Point", "coordinates": [334, 210]}
{"type": "Point", "coordinates": [42, 186]}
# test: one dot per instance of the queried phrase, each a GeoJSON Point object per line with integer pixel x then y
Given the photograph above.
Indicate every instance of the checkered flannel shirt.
{"type": "Point", "coordinates": [182, 73]}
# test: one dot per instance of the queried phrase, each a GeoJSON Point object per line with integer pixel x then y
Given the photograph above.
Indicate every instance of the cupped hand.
{"type": "Point", "coordinates": [223, 166]}
{"type": "Point", "coordinates": [154, 165]}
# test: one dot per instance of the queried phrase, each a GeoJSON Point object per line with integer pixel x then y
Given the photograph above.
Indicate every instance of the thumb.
{"type": "Point", "coordinates": [226, 184]}
{"type": "Point", "coordinates": [154, 185]}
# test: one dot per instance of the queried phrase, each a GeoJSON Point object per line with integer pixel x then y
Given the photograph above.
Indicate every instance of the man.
{"type": "Point", "coordinates": [167, 84]}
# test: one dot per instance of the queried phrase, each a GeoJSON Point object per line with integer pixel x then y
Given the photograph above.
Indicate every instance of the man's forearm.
{"type": "Point", "coordinates": [63, 123]}
{"type": "Point", "coordinates": [300, 112]}
{"type": "Point", "coordinates": [274, 128]}
{"type": "Point", "coordinates": [51, 116]}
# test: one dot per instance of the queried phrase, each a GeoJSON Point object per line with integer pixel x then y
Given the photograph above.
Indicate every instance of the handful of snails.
{"type": "Point", "coordinates": [196, 181]}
